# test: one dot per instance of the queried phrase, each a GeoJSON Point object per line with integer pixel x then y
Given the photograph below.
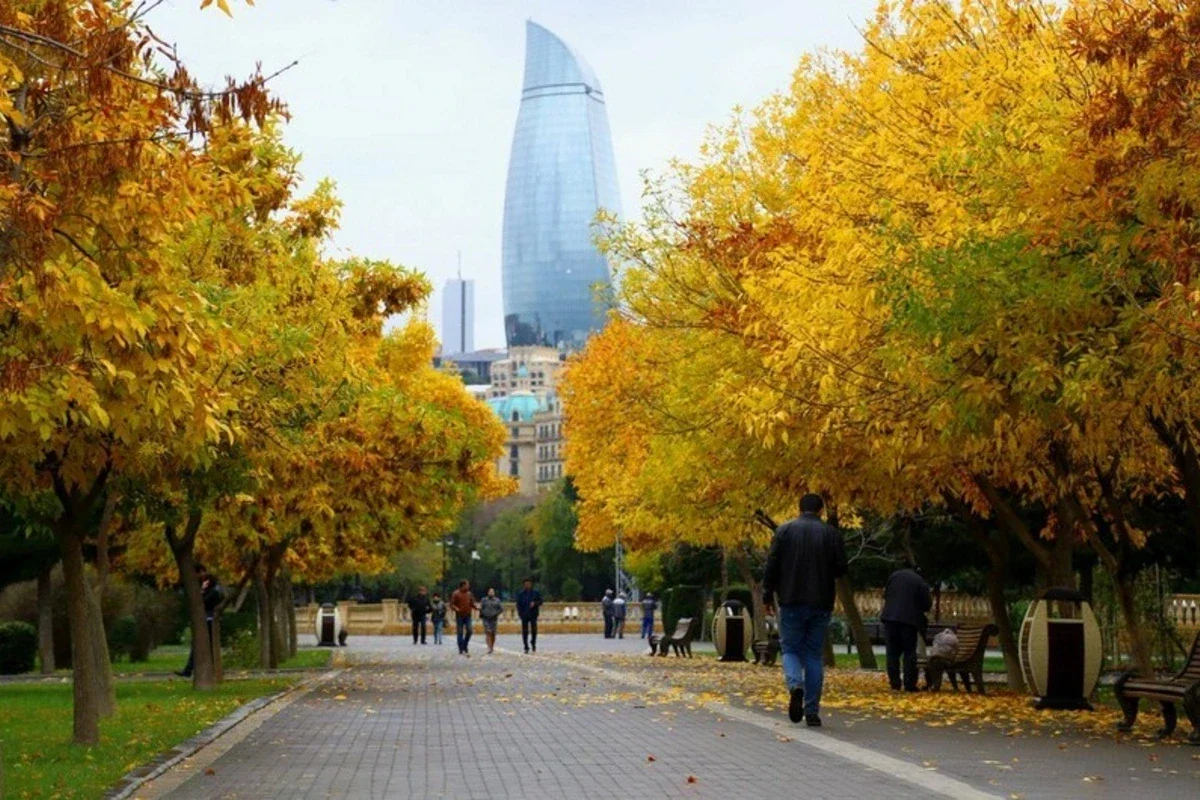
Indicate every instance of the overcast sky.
{"type": "Point", "coordinates": [409, 105]}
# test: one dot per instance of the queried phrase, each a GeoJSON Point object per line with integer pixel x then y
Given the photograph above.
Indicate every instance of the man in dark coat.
{"type": "Point", "coordinates": [529, 603]}
{"type": "Point", "coordinates": [606, 608]}
{"type": "Point", "coordinates": [211, 594]}
{"type": "Point", "coordinates": [807, 557]}
{"type": "Point", "coordinates": [418, 608]}
{"type": "Point", "coordinates": [905, 601]}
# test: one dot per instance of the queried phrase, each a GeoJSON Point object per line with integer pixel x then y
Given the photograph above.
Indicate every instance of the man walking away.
{"type": "Point", "coordinates": [437, 615]}
{"type": "Point", "coordinates": [807, 557]}
{"type": "Point", "coordinates": [210, 594]}
{"type": "Point", "coordinates": [618, 613]}
{"type": "Point", "coordinates": [649, 605]}
{"type": "Point", "coordinates": [905, 601]}
{"type": "Point", "coordinates": [490, 609]}
{"type": "Point", "coordinates": [606, 606]}
{"type": "Point", "coordinates": [529, 603]}
{"type": "Point", "coordinates": [418, 609]}
{"type": "Point", "coordinates": [463, 603]}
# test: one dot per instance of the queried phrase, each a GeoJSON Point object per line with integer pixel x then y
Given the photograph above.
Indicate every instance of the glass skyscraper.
{"type": "Point", "coordinates": [560, 173]}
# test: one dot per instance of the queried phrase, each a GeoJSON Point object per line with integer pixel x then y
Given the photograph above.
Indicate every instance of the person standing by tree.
{"type": "Point", "coordinates": [905, 600]}
{"type": "Point", "coordinates": [437, 615]}
{"type": "Point", "coordinates": [463, 603]}
{"type": "Point", "coordinates": [806, 557]}
{"type": "Point", "coordinates": [649, 606]}
{"type": "Point", "coordinates": [418, 609]}
{"type": "Point", "coordinates": [606, 608]}
{"type": "Point", "coordinates": [489, 611]}
{"type": "Point", "coordinates": [529, 603]}
{"type": "Point", "coordinates": [211, 594]}
{"type": "Point", "coordinates": [618, 615]}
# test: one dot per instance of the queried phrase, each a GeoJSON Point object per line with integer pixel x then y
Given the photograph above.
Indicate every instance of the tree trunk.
{"type": "Point", "coordinates": [183, 548]}
{"type": "Point", "coordinates": [274, 633]}
{"type": "Point", "coordinates": [758, 611]}
{"type": "Point", "coordinates": [263, 601]}
{"type": "Point", "coordinates": [102, 674]}
{"type": "Point", "coordinates": [281, 615]}
{"type": "Point", "coordinates": [87, 700]}
{"type": "Point", "coordinates": [1187, 463]}
{"type": "Point", "coordinates": [45, 618]}
{"type": "Point", "coordinates": [830, 659]}
{"type": "Point", "coordinates": [854, 621]}
{"type": "Point", "coordinates": [1008, 639]}
{"type": "Point", "coordinates": [1134, 630]}
{"type": "Point", "coordinates": [289, 607]}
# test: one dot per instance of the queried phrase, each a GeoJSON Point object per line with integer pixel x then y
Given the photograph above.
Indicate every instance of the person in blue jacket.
{"type": "Point", "coordinates": [529, 603]}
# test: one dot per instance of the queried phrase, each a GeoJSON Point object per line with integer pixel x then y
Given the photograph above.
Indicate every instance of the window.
{"type": "Point", "coordinates": [512, 451]}
{"type": "Point", "coordinates": [512, 468]}
{"type": "Point", "coordinates": [516, 432]}
{"type": "Point", "coordinates": [516, 416]}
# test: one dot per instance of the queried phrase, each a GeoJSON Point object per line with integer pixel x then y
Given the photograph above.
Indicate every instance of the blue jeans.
{"type": "Point", "coordinates": [802, 640]}
{"type": "Point", "coordinates": [464, 626]}
{"type": "Point", "coordinates": [438, 626]}
{"type": "Point", "coordinates": [647, 626]}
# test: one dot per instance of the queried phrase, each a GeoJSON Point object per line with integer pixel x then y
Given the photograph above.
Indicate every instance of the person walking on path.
{"type": "Point", "coordinates": [418, 609]}
{"type": "Point", "coordinates": [529, 604]}
{"type": "Point", "coordinates": [649, 605]}
{"type": "Point", "coordinates": [463, 603]}
{"type": "Point", "coordinates": [211, 594]}
{"type": "Point", "coordinates": [807, 556]}
{"type": "Point", "coordinates": [437, 615]}
{"type": "Point", "coordinates": [606, 605]}
{"type": "Point", "coordinates": [490, 609]}
{"type": "Point", "coordinates": [618, 614]}
{"type": "Point", "coordinates": [905, 601]}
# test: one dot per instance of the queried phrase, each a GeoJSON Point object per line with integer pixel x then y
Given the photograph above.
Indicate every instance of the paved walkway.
{"type": "Point", "coordinates": [408, 721]}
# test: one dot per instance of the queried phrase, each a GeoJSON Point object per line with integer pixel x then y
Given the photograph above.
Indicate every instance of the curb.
{"type": "Point", "coordinates": [136, 778]}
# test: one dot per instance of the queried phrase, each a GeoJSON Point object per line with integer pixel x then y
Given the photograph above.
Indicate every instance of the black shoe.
{"type": "Point", "coordinates": [535, 648]}
{"type": "Point", "coordinates": [182, 674]}
{"type": "Point", "coordinates": [812, 721]}
{"type": "Point", "coordinates": [796, 706]}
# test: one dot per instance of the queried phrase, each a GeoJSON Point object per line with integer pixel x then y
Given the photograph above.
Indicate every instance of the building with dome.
{"type": "Point", "coordinates": [523, 396]}
{"type": "Point", "coordinates": [561, 173]}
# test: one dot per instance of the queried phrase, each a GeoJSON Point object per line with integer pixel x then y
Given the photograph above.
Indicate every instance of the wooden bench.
{"type": "Point", "coordinates": [967, 661]}
{"type": "Point", "coordinates": [767, 650]}
{"type": "Point", "coordinates": [680, 640]}
{"type": "Point", "coordinates": [1184, 689]}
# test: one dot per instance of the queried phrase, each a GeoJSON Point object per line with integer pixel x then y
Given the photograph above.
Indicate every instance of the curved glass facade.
{"type": "Point", "coordinates": [560, 173]}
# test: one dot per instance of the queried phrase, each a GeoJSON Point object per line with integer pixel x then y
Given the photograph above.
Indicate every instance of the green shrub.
{"type": "Point", "coordinates": [241, 652]}
{"type": "Point", "coordinates": [234, 623]}
{"type": "Point", "coordinates": [122, 638]}
{"type": "Point", "coordinates": [18, 648]}
{"type": "Point", "coordinates": [839, 631]}
{"type": "Point", "coordinates": [572, 590]}
{"type": "Point", "coordinates": [742, 594]}
{"type": "Point", "coordinates": [684, 601]}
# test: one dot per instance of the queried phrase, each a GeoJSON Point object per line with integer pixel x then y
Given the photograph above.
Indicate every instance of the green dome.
{"type": "Point", "coordinates": [523, 404]}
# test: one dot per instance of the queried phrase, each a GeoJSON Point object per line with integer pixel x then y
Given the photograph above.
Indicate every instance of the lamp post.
{"type": "Point", "coordinates": [445, 541]}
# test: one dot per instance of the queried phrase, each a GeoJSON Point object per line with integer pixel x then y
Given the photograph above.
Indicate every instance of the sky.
{"type": "Point", "coordinates": [409, 105]}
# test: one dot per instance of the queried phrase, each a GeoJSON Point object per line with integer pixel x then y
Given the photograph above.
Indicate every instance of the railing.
{"type": "Point", "coordinates": [1184, 611]}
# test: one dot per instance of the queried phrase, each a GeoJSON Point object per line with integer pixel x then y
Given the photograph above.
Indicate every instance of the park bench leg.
{"type": "Point", "coordinates": [1169, 720]}
{"type": "Point", "coordinates": [953, 679]}
{"type": "Point", "coordinates": [1191, 707]}
{"type": "Point", "coordinates": [1129, 705]}
{"type": "Point", "coordinates": [979, 680]}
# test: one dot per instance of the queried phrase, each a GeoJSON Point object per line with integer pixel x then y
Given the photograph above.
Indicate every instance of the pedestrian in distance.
{"type": "Point", "coordinates": [463, 603]}
{"type": "Point", "coordinates": [490, 609]}
{"type": "Point", "coordinates": [211, 595]}
{"type": "Point", "coordinates": [649, 606]}
{"type": "Point", "coordinates": [807, 556]}
{"type": "Point", "coordinates": [529, 604]}
{"type": "Point", "coordinates": [606, 605]}
{"type": "Point", "coordinates": [905, 600]}
{"type": "Point", "coordinates": [618, 614]}
{"type": "Point", "coordinates": [437, 615]}
{"type": "Point", "coordinates": [418, 609]}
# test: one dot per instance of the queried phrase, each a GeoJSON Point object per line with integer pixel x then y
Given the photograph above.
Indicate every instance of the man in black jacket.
{"type": "Point", "coordinates": [529, 605]}
{"type": "Point", "coordinates": [418, 609]}
{"type": "Point", "coordinates": [905, 601]}
{"type": "Point", "coordinates": [211, 595]}
{"type": "Point", "coordinates": [806, 557]}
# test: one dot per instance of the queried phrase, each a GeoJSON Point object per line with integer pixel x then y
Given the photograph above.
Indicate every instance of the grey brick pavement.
{"type": "Point", "coordinates": [431, 724]}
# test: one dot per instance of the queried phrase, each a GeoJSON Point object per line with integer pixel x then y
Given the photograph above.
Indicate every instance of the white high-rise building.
{"type": "Point", "coordinates": [458, 316]}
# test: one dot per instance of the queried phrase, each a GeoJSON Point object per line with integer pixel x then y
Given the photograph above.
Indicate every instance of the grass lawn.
{"type": "Point", "coordinates": [169, 658]}
{"type": "Point", "coordinates": [152, 716]}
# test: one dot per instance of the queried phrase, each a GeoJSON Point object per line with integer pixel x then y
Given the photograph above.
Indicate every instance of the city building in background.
{"type": "Point", "coordinates": [561, 172]}
{"type": "Point", "coordinates": [458, 316]}
{"type": "Point", "coordinates": [522, 394]}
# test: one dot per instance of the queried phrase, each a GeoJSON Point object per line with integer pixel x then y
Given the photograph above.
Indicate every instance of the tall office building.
{"type": "Point", "coordinates": [560, 173]}
{"type": "Point", "coordinates": [458, 316]}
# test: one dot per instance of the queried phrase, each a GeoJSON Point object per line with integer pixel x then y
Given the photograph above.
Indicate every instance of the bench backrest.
{"type": "Point", "coordinates": [973, 639]}
{"type": "Point", "coordinates": [682, 626]}
{"type": "Point", "coordinates": [1191, 669]}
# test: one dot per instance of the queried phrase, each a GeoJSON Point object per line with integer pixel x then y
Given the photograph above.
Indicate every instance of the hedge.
{"type": "Point", "coordinates": [684, 601]}
{"type": "Point", "coordinates": [18, 648]}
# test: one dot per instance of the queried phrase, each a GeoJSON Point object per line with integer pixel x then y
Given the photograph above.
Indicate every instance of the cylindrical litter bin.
{"type": "Point", "coordinates": [1061, 649]}
{"type": "Point", "coordinates": [329, 626]}
{"type": "Point", "coordinates": [731, 630]}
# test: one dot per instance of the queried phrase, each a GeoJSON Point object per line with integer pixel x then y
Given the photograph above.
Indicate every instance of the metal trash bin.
{"type": "Point", "coordinates": [1061, 650]}
{"type": "Point", "coordinates": [330, 627]}
{"type": "Point", "coordinates": [731, 630]}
